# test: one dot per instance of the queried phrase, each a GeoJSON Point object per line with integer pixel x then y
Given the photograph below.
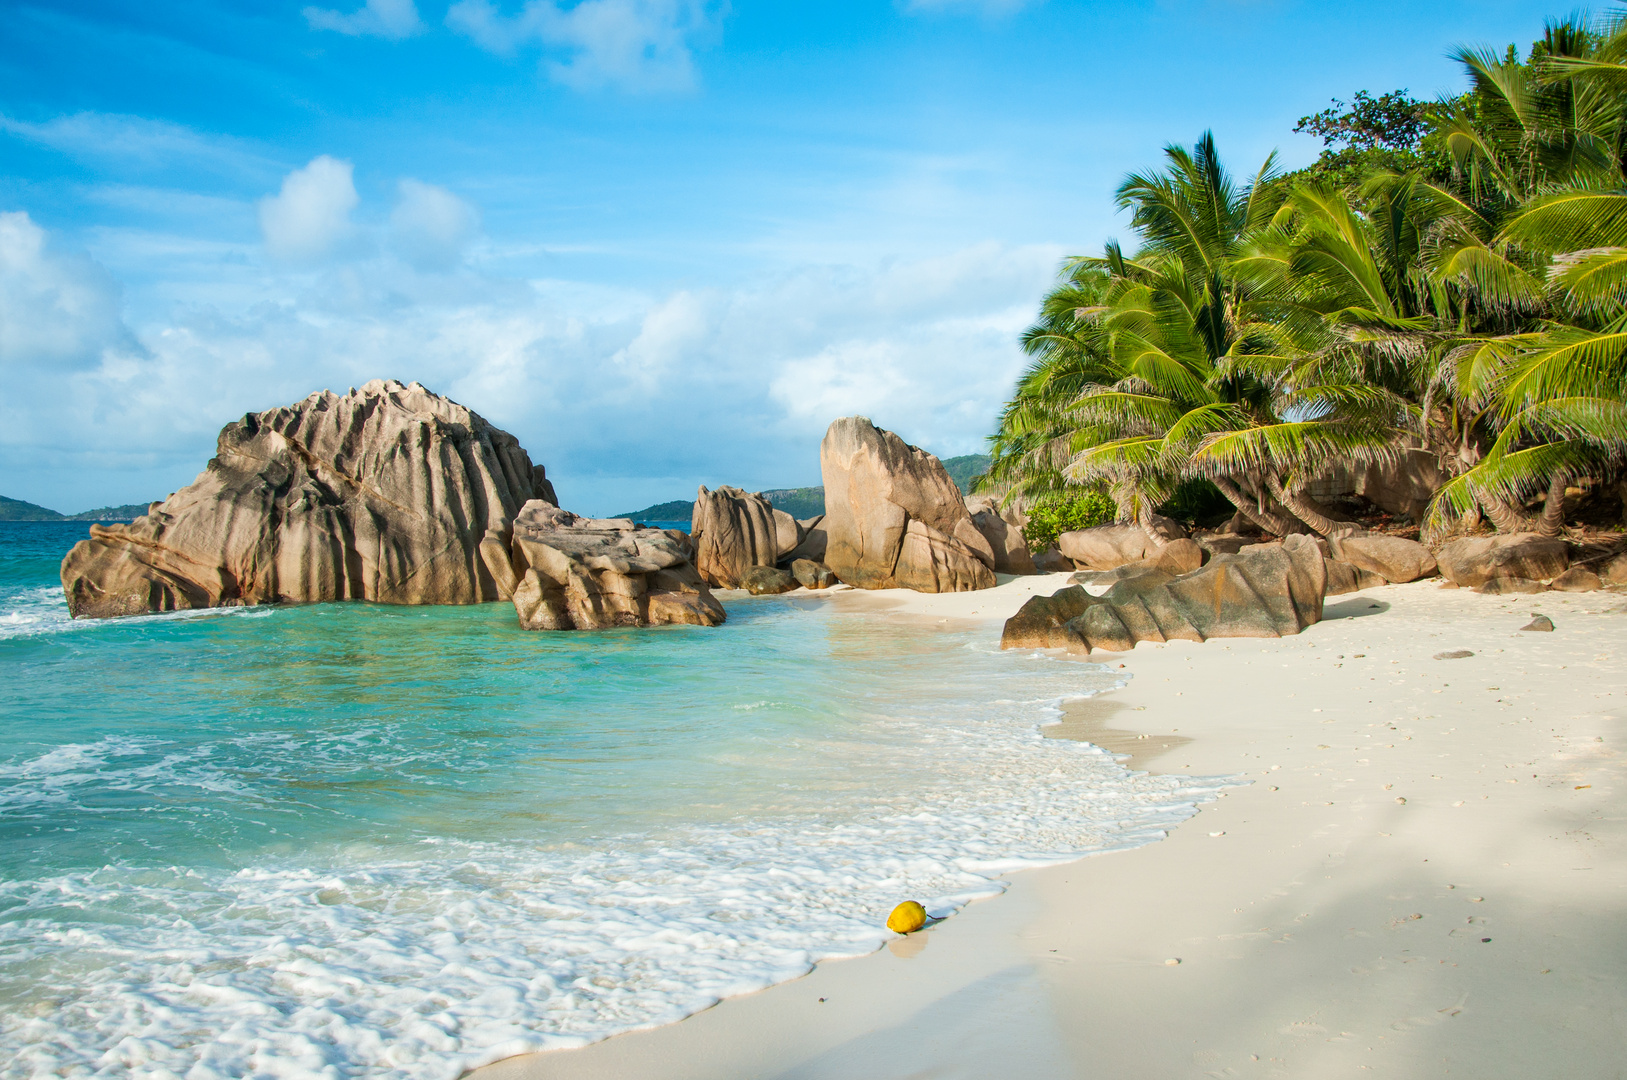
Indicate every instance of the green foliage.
{"type": "Point", "coordinates": [798, 502]}
{"type": "Point", "coordinates": [965, 470]}
{"type": "Point", "coordinates": [1388, 133]}
{"type": "Point", "coordinates": [1051, 517]}
{"type": "Point", "coordinates": [1198, 502]}
{"type": "Point", "coordinates": [17, 510]}
{"type": "Point", "coordinates": [1449, 275]}
{"type": "Point", "coordinates": [676, 510]}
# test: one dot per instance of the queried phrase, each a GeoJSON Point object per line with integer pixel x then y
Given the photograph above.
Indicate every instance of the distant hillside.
{"type": "Point", "coordinates": [798, 502]}
{"type": "Point", "coordinates": [677, 510]}
{"type": "Point", "coordinates": [810, 501]}
{"type": "Point", "coordinates": [127, 512]}
{"type": "Point", "coordinates": [17, 510]}
{"type": "Point", "coordinates": [966, 468]}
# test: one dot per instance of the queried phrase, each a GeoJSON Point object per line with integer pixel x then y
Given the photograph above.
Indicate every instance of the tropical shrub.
{"type": "Point", "coordinates": [1450, 276]}
{"type": "Point", "coordinates": [1053, 516]}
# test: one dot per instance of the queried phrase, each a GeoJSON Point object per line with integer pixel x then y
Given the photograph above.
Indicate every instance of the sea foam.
{"type": "Point", "coordinates": [356, 952]}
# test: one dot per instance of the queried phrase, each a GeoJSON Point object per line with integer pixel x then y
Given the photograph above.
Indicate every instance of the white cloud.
{"type": "Point", "coordinates": [58, 311]}
{"type": "Point", "coordinates": [393, 19]}
{"type": "Point", "coordinates": [135, 141]}
{"type": "Point", "coordinates": [676, 325]}
{"type": "Point", "coordinates": [629, 398]}
{"type": "Point", "coordinates": [431, 227]}
{"type": "Point", "coordinates": [638, 45]}
{"type": "Point", "coordinates": [310, 216]}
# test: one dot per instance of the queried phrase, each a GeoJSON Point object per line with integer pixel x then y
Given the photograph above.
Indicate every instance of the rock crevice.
{"type": "Point", "coordinates": [893, 517]}
{"type": "Point", "coordinates": [389, 493]}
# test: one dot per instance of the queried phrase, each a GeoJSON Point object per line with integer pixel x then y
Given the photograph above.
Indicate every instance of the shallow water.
{"type": "Point", "coordinates": [355, 840]}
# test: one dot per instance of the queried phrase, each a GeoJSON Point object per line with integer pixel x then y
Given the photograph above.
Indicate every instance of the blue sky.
{"type": "Point", "coordinates": [664, 242]}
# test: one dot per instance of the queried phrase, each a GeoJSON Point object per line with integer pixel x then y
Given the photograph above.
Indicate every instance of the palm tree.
{"type": "Point", "coordinates": [1549, 150]}
{"type": "Point", "coordinates": [1127, 378]}
{"type": "Point", "coordinates": [1264, 334]}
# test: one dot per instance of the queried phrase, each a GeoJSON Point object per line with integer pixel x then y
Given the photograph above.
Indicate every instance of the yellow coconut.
{"type": "Point", "coordinates": [907, 918]}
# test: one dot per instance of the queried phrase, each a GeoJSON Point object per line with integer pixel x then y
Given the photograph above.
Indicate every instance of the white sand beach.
{"type": "Point", "coordinates": [1421, 873]}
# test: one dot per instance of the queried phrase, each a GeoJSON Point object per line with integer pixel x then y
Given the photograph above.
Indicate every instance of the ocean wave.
{"type": "Point", "coordinates": [39, 611]}
{"type": "Point", "coordinates": [420, 961]}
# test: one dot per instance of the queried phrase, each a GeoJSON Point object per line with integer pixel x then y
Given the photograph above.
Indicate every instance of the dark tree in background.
{"type": "Point", "coordinates": [1390, 132]}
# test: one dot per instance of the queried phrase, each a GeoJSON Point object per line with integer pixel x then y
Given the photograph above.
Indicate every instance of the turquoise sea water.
{"type": "Point", "coordinates": [355, 840]}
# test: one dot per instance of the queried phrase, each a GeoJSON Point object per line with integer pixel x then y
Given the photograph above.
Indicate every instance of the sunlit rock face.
{"type": "Point", "coordinates": [735, 531]}
{"type": "Point", "coordinates": [579, 573]}
{"type": "Point", "coordinates": [893, 517]}
{"type": "Point", "coordinates": [389, 493]}
{"type": "Point", "coordinates": [1266, 590]}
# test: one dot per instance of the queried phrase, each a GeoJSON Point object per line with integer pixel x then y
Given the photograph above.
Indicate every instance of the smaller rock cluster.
{"type": "Point", "coordinates": [579, 573]}
{"type": "Point", "coordinates": [1265, 590]}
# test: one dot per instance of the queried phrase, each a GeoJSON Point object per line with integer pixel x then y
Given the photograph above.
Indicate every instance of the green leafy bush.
{"type": "Point", "coordinates": [1049, 519]}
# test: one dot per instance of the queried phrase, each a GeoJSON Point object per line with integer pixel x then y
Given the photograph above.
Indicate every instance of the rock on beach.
{"type": "Point", "coordinates": [1267, 590]}
{"type": "Point", "coordinates": [389, 493]}
{"type": "Point", "coordinates": [1472, 561]}
{"type": "Point", "coordinates": [893, 517]}
{"type": "Point", "coordinates": [592, 574]}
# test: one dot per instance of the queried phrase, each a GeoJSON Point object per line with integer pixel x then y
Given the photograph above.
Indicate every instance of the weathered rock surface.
{"type": "Point", "coordinates": [734, 530]}
{"type": "Point", "coordinates": [1107, 547]}
{"type": "Point", "coordinates": [389, 493]}
{"type": "Point", "coordinates": [1227, 544]}
{"type": "Point", "coordinates": [812, 575]}
{"type": "Point", "coordinates": [580, 573]}
{"type": "Point", "coordinates": [812, 547]}
{"type": "Point", "coordinates": [1541, 624]}
{"type": "Point", "coordinates": [1052, 561]}
{"type": "Point", "coordinates": [1393, 558]}
{"type": "Point", "coordinates": [1613, 571]}
{"type": "Point", "coordinates": [767, 580]}
{"type": "Point", "coordinates": [1175, 558]}
{"type": "Point", "coordinates": [894, 518]}
{"type": "Point", "coordinates": [1344, 578]}
{"type": "Point", "coordinates": [1475, 560]}
{"type": "Point", "coordinates": [1042, 621]}
{"type": "Point", "coordinates": [1404, 485]}
{"type": "Point", "coordinates": [1577, 579]}
{"type": "Point", "coordinates": [1005, 536]}
{"type": "Point", "coordinates": [1510, 586]}
{"type": "Point", "coordinates": [1270, 590]}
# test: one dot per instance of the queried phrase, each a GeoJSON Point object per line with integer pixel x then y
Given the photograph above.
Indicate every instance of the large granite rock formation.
{"type": "Point", "coordinates": [1003, 529]}
{"type": "Point", "coordinates": [1475, 560]}
{"type": "Point", "coordinates": [591, 574]}
{"type": "Point", "coordinates": [1107, 547]}
{"type": "Point", "coordinates": [388, 493]}
{"type": "Point", "coordinates": [1345, 578]}
{"type": "Point", "coordinates": [1393, 558]}
{"type": "Point", "coordinates": [894, 518]}
{"type": "Point", "coordinates": [1268, 590]}
{"type": "Point", "coordinates": [1404, 485]}
{"type": "Point", "coordinates": [812, 546]}
{"type": "Point", "coordinates": [1042, 621]}
{"type": "Point", "coordinates": [734, 530]}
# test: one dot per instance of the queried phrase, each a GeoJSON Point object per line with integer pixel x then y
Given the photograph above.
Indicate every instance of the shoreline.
{"type": "Point", "coordinates": [1326, 918]}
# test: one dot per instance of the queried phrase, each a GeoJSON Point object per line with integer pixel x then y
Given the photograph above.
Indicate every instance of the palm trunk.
{"type": "Point", "coordinates": [1503, 516]}
{"type": "Point", "coordinates": [1251, 509]}
{"type": "Point", "coordinates": [1553, 508]}
{"type": "Point", "coordinates": [1321, 523]}
{"type": "Point", "coordinates": [1144, 519]}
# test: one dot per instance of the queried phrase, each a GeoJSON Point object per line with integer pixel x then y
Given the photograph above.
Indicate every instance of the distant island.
{"type": "Point", "coordinates": [17, 510]}
{"type": "Point", "coordinates": [808, 502]}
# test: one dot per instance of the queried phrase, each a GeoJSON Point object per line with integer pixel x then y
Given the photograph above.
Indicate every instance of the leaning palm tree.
{"type": "Point", "coordinates": [1553, 147]}
{"type": "Point", "coordinates": [1128, 376]}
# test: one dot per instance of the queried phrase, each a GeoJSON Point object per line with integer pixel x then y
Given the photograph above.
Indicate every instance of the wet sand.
{"type": "Point", "coordinates": [1422, 873]}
